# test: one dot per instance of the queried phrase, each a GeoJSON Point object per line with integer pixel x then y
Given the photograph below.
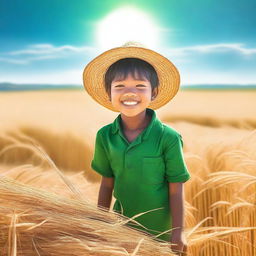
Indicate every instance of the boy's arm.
{"type": "Point", "coordinates": [177, 206]}
{"type": "Point", "coordinates": [178, 241]}
{"type": "Point", "coordinates": [105, 192]}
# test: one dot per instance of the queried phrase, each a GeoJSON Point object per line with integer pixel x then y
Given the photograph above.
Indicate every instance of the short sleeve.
{"type": "Point", "coordinates": [100, 162]}
{"type": "Point", "coordinates": [176, 169]}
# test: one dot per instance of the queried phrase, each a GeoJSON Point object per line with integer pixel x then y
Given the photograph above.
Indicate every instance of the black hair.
{"type": "Point", "coordinates": [123, 67]}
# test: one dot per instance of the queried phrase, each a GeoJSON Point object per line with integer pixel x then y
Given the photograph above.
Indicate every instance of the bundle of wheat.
{"type": "Point", "coordinates": [35, 222]}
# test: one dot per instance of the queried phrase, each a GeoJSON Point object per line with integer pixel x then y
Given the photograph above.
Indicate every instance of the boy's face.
{"type": "Point", "coordinates": [130, 96]}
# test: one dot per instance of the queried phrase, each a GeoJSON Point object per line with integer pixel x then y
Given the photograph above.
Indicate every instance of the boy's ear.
{"type": "Point", "coordinates": [154, 93]}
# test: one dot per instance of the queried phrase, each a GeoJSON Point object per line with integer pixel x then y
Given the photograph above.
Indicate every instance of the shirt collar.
{"type": "Point", "coordinates": [117, 127]}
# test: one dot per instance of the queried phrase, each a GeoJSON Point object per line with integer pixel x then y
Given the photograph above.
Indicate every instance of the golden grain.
{"type": "Point", "coordinates": [48, 192]}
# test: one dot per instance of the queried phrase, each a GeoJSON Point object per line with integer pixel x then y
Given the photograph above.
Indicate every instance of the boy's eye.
{"type": "Point", "coordinates": [138, 85]}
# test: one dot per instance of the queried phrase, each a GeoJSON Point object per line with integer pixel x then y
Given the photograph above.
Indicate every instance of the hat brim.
{"type": "Point", "coordinates": [94, 72]}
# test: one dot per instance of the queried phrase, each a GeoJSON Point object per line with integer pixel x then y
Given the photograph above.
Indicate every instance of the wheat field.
{"type": "Point", "coordinates": [48, 192]}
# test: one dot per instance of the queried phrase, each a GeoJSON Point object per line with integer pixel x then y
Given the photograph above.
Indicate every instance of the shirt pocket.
{"type": "Point", "coordinates": [153, 170]}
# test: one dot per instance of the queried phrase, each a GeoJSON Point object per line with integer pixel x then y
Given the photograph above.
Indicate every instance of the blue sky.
{"type": "Point", "coordinates": [51, 41]}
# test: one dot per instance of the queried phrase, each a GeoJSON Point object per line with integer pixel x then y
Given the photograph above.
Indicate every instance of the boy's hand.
{"type": "Point", "coordinates": [179, 244]}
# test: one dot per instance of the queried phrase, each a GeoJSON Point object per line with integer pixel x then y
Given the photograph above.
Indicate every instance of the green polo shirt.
{"type": "Point", "coordinates": [142, 171]}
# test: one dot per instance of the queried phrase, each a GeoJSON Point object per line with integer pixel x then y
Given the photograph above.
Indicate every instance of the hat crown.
{"type": "Point", "coordinates": [133, 44]}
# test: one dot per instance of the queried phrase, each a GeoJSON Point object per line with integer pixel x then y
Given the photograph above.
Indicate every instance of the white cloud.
{"type": "Point", "coordinates": [193, 68]}
{"type": "Point", "coordinates": [39, 49]}
{"type": "Point", "coordinates": [211, 48]}
{"type": "Point", "coordinates": [39, 52]}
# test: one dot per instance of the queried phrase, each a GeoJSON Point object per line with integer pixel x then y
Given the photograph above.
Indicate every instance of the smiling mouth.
{"type": "Point", "coordinates": [130, 102]}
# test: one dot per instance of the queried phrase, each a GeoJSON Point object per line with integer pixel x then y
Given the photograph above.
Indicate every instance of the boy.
{"type": "Point", "coordinates": [139, 158]}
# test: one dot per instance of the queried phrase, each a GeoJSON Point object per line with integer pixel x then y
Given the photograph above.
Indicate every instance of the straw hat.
{"type": "Point", "coordinates": [94, 72]}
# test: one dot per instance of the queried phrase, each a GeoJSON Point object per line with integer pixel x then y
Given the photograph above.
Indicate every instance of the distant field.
{"type": "Point", "coordinates": [41, 108]}
{"type": "Point", "coordinates": [218, 129]}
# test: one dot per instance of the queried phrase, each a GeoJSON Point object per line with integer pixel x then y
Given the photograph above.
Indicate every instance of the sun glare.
{"type": "Point", "coordinates": [126, 24]}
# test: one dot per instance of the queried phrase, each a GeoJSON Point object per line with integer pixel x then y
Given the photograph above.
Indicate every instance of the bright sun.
{"type": "Point", "coordinates": [127, 24]}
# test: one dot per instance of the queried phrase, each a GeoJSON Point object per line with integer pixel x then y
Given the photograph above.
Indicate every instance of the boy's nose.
{"type": "Point", "coordinates": [129, 95]}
